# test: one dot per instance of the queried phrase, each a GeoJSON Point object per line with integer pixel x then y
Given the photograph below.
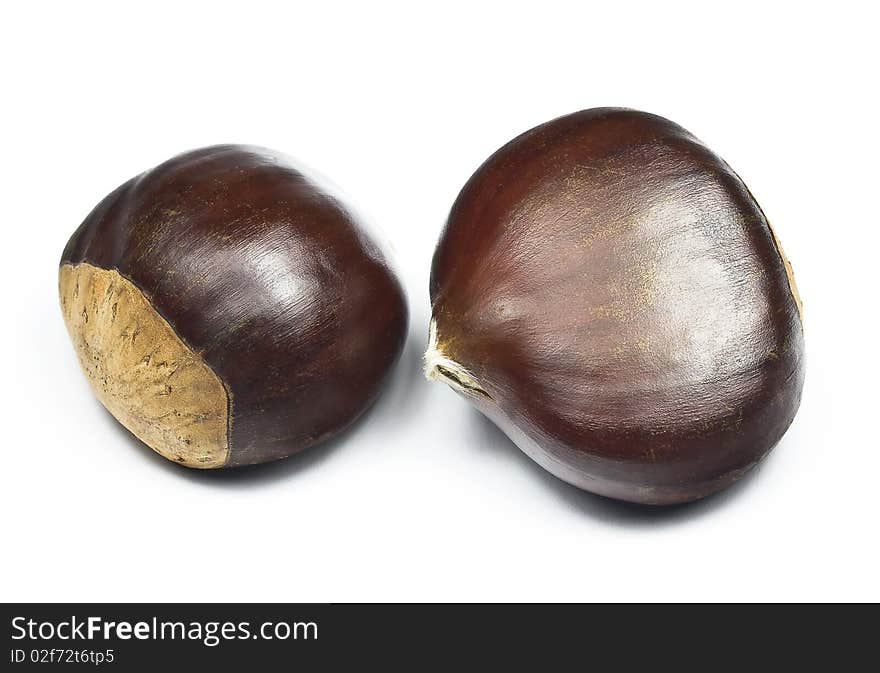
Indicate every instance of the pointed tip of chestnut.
{"type": "Point", "coordinates": [438, 366]}
{"type": "Point", "coordinates": [619, 291]}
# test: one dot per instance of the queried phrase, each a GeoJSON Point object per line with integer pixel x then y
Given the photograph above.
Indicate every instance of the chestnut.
{"type": "Point", "coordinates": [230, 309]}
{"type": "Point", "coordinates": [609, 293]}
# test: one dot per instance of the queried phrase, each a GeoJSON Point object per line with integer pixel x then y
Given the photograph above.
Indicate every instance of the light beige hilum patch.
{"type": "Point", "coordinates": [789, 272]}
{"type": "Point", "coordinates": [141, 370]}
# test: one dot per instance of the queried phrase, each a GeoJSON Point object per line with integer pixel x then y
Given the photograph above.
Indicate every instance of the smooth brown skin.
{"type": "Point", "coordinates": [270, 277]}
{"type": "Point", "coordinates": [619, 296]}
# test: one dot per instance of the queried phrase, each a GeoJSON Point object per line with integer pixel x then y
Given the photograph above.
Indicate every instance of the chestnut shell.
{"type": "Point", "coordinates": [268, 276]}
{"type": "Point", "coordinates": [607, 291]}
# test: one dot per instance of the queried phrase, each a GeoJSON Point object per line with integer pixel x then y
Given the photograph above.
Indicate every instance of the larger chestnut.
{"type": "Point", "coordinates": [607, 290]}
{"type": "Point", "coordinates": [229, 309]}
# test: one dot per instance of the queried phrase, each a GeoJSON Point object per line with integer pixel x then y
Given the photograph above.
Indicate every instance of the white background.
{"type": "Point", "coordinates": [425, 500]}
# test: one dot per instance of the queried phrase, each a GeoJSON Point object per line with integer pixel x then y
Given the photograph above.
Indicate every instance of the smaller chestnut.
{"type": "Point", "coordinates": [230, 309]}
{"type": "Point", "coordinates": [608, 292]}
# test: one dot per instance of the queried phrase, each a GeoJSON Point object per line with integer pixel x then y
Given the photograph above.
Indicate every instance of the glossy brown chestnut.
{"type": "Point", "coordinates": [609, 293]}
{"type": "Point", "coordinates": [228, 309]}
